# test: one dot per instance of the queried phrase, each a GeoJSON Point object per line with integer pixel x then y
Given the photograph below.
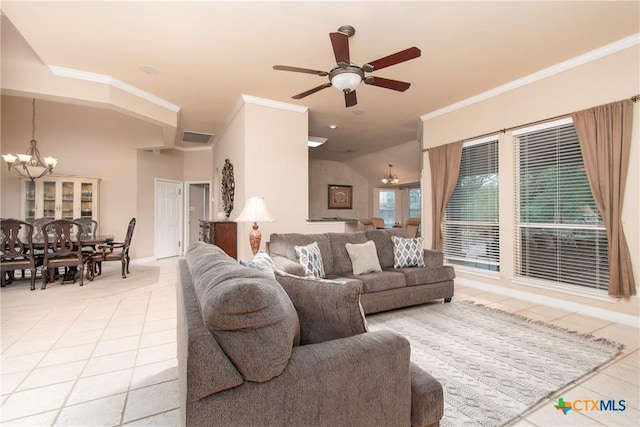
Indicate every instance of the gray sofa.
{"type": "Point", "coordinates": [256, 351]}
{"type": "Point", "coordinates": [386, 290]}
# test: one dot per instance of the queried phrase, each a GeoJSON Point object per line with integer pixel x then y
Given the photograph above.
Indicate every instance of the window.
{"type": "Point", "coordinates": [415, 203]}
{"type": "Point", "coordinates": [387, 207]}
{"type": "Point", "coordinates": [470, 228]}
{"type": "Point", "coordinates": [560, 236]}
{"type": "Point", "coordinates": [397, 204]}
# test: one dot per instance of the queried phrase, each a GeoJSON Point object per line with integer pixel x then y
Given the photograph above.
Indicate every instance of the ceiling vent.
{"type": "Point", "coordinates": [200, 138]}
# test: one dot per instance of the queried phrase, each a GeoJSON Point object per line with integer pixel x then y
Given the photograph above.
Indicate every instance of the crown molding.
{"type": "Point", "coordinates": [112, 81]}
{"type": "Point", "coordinates": [591, 56]}
{"type": "Point", "coordinates": [249, 99]}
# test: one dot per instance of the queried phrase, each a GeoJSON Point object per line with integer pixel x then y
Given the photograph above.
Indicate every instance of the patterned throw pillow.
{"type": "Point", "coordinates": [261, 261]}
{"type": "Point", "coordinates": [407, 252]}
{"type": "Point", "coordinates": [311, 259]}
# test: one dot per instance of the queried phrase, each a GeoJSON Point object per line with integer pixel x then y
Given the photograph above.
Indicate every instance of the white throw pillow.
{"type": "Point", "coordinates": [407, 252]}
{"type": "Point", "coordinates": [364, 257]}
{"type": "Point", "coordinates": [311, 259]}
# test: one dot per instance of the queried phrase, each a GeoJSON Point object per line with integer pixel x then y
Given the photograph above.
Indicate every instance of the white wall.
{"type": "Point", "coordinates": [270, 160]}
{"type": "Point", "coordinates": [608, 79]}
{"type": "Point", "coordinates": [323, 173]}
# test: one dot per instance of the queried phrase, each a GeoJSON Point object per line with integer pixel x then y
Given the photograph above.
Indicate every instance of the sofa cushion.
{"type": "Point", "coordinates": [341, 260]}
{"type": "Point", "coordinates": [407, 252]}
{"type": "Point", "coordinates": [283, 244]}
{"type": "Point", "coordinates": [364, 257]}
{"type": "Point", "coordinates": [416, 276]}
{"type": "Point", "coordinates": [384, 245]}
{"type": "Point", "coordinates": [310, 258]}
{"type": "Point", "coordinates": [248, 312]}
{"type": "Point", "coordinates": [376, 282]}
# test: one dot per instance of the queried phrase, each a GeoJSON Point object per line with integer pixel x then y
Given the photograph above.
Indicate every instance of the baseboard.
{"type": "Point", "coordinates": [587, 310]}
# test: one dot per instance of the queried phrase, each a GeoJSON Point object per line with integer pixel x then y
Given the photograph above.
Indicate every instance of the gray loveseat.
{"type": "Point", "coordinates": [386, 290]}
{"type": "Point", "coordinates": [256, 351]}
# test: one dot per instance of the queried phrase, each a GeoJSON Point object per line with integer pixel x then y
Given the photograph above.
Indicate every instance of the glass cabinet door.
{"type": "Point", "coordinates": [30, 201]}
{"type": "Point", "coordinates": [49, 199]}
{"type": "Point", "coordinates": [86, 199]}
{"type": "Point", "coordinates": [66, 201]}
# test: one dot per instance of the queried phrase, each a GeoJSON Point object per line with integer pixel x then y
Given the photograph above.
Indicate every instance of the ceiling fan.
{"type": "Point", "coordinates": [347, 76]}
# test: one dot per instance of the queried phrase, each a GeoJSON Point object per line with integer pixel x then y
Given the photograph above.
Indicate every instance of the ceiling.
{"type": "Point", "coordinates": [209, 53]}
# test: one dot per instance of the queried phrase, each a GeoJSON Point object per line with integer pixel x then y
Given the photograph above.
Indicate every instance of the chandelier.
{"type": "Point", "coordinates": [390, 179]}
{"type": "Point", "coordinates": [30, 165]}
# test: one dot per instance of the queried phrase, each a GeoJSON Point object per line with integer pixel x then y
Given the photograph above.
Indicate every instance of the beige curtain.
{"type": "Point", "coordinates": [604, 133]}
{"type": "Point", "coordinates": [445, 166]}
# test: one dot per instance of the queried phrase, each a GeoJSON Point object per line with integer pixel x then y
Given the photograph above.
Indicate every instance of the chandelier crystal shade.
{"type": "Point", "coordinates": [31, 165]}
{"type": "Point", "coordinates": [391, 178]}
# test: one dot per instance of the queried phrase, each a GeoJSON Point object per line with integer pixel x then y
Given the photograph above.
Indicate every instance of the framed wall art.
{"type": "Point", "coordinates": [340, 197]}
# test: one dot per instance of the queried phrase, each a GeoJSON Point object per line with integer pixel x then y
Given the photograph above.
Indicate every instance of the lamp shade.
{"type": "Point", "coordinates": [255, 210]}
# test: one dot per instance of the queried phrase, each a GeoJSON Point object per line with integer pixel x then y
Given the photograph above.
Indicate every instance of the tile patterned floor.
{"type": "Point", "coordinates": [110, 359]}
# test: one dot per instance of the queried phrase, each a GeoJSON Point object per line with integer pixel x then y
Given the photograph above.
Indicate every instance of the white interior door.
{"type": "Point", "coordinates": [168, 218]}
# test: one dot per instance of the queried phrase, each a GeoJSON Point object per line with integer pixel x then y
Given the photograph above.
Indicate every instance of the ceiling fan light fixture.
{"type": "Point", "coordinates": [346, 79]}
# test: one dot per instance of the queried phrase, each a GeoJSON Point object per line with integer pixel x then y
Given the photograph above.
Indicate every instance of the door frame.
{"type": "Point", "coordinates": [187, 202]}
{"type": "Point", "coordinates": [180, 216]}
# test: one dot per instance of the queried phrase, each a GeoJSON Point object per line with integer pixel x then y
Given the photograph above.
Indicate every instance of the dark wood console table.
{"type": "Point", "coordinates": [223, 234]}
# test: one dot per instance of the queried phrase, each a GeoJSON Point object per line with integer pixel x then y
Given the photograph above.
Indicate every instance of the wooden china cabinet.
{"type": "Point", "coordinates": [223, 234]}
{"type": "Point", "coordinates": [60, 197]}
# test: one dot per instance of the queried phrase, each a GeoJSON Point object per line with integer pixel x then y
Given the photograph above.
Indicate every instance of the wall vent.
{"type": "Point", "coordinates": [201, 138]}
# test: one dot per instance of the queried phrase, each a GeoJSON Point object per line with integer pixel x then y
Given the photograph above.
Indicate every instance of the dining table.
{"type": "Point", "coordinates": [88, 241]}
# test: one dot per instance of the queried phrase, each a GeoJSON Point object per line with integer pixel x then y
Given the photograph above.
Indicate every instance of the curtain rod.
{"type": "Point", "coordinates": [634, 98]}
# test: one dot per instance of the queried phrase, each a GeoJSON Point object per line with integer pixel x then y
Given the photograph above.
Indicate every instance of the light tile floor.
{"type": "Point", "coordinates": [94, 356]}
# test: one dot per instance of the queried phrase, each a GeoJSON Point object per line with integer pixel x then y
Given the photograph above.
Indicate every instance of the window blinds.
{"type": "Point", "coordinates": [470, 225]}
{"type": "Point", "coordinates": [560, 237]}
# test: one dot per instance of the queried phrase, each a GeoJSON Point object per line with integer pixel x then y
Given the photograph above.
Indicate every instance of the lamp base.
{"type": "Point", "coordinates": [255, 237]}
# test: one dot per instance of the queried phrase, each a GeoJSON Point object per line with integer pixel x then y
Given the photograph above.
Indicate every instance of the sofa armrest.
{"type": "Point", "coordinates": [362, 380]}
{"type": "Point", "coordinates": [327, 310]}
{"type": "Point", "coordinates": [433, 258]}
{"type": "Point", "coordinates": [427, 398]}
{"type": "Point", "coordinates": [288, 266]}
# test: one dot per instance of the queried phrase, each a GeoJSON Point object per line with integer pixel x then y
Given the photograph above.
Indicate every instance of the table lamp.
{"type": "Point", "coordinates": [255, 210]}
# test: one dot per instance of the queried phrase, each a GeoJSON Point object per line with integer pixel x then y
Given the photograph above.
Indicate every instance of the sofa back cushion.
{"type": "Point", "coordinates": [246, 310]}
{"type": "Point", "coordinates": [283, 244]}
{"type": "Point", "coordinates": [384, 245]}
{"type": "Point", "coordinates": [341, 260]}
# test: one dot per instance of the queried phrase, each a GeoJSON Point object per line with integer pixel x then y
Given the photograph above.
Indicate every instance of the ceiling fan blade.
{"type": "Point", "coordinates": [387, 83]}
{"type": "Point", "coordinates": [340, 43]}
{"type": "Point", "coordinates": [396, 58]}
{"type": "Point", "coordinates": [299, 70]}
{"type": "Point", "coordinates": [350, 98]}
{"type": "Point", "coordinates": [310, 91]}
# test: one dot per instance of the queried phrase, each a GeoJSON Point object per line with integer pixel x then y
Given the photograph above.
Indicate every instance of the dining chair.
{"type": "Point", "coordinates": [115, 251]}
{"type": "Point", "coordinates": [378, 222]}
{"type": "Point", "coordinates": [16, 249]}
{"type": "Point", "coordinates": [413, 226]}
{"type": "Point", "coordinates": [88, 230]}
{"type": "Point", "coordinates": [368, 224]}
{"type": "Point", "coordinates": [38, 225]}
{"type": "Point", "coordinates": [63, 248]}
{"type": "Point", "coordinates": [88, 226]}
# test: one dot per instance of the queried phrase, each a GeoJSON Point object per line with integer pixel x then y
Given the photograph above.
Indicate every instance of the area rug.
{"type": "Point", "coordinates": [492, 365]}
